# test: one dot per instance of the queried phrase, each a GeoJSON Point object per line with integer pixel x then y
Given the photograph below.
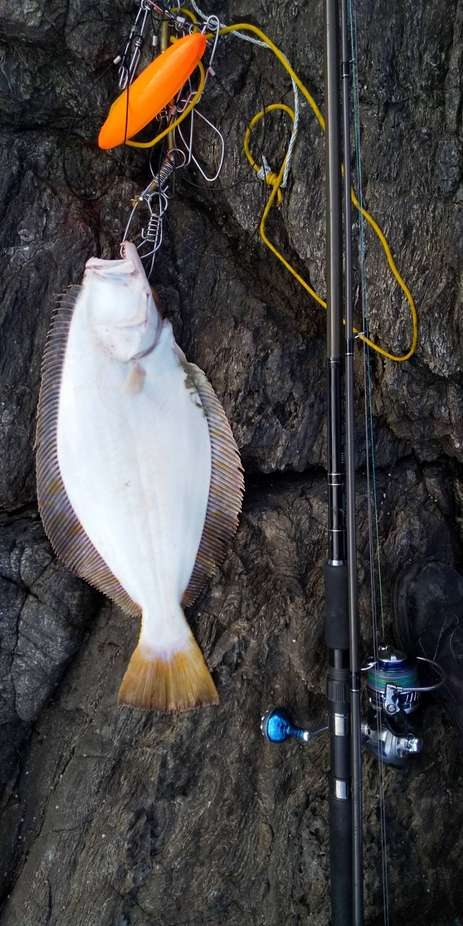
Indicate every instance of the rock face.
{"type": "Point", "coordinates": [113, 818]}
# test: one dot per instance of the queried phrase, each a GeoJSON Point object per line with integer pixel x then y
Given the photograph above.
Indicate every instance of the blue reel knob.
{"type": "Point", "coordinates": [276, 726]}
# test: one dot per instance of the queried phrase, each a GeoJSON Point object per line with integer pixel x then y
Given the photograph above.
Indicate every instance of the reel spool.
{"type": "Point", "coordinates": [395, 682]}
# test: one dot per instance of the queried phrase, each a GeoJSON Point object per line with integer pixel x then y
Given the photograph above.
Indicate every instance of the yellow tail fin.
{"type": "Point", "coordinates": [180, 683]}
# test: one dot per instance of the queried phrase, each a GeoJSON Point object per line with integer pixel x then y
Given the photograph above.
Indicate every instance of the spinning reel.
{"type": "Point", "coordinates": [395, 685]}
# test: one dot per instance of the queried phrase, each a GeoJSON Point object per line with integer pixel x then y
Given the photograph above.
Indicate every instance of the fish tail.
{"type": "Point", "coordinates": [174, 681]}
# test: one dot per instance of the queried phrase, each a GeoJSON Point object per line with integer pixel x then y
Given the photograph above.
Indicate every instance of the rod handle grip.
{"type": "Point", "coordinates": [341, 861]}
{"type": "Point", "coordinates": [337, 619]}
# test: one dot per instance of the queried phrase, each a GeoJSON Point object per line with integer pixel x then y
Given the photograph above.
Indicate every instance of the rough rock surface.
{"type": "Point", "coordinates": [113, 818]}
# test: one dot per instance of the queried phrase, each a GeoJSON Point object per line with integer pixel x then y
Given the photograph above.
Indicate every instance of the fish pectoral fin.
{"type": "Point", "coordinates": [158, 681]}
{"type": "Point", "coordinates": [135, 379]}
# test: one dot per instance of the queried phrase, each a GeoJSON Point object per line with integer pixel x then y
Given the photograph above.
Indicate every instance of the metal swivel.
{"type": "Point", "coordinates": [277, 726]}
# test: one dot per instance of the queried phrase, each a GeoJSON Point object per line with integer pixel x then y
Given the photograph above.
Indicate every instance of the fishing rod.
{"type": "Point", "coordinates": [341, 629]}
{"type": "Point", "coordinates": [341, 624]}
{"type": "Point", "coordinates": [336, 573]}
{"type": "Point", "coordinates": [351, 526]}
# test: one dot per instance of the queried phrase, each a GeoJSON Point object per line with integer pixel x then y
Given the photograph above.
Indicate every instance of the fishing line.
{"type": "Point", "coordinates": [263, 44]}
{"type": "Point", "coordinates": [244, 179]}
{"type": "Point", "coordinates": [239, 35]}
{"type": "Point", "coordinates": [372, 499]}
{"type": "Point", "coordinates": [127, 91]}
{"type": "Point", "coordinates": [220, 27]}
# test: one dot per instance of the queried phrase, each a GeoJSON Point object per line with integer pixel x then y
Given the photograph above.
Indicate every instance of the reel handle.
{"type": "Point", "coordinates": [277, 726]}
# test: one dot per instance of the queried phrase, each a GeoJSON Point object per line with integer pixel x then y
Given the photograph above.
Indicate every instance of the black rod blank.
{"type": "Point", "coordinates": [351, 532]}
{"type": "Point", "coordinates": [336, 621]}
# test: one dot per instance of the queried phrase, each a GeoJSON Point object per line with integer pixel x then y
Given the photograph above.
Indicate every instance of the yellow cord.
{"type": "Point", "coordinates": [274, 180]}
{"type": "Point", "coordinates": [173, 125]}
{"type": "Point", "coordinates": [267, 176]}
{"type": "Point", "coordinates": [189, 13]}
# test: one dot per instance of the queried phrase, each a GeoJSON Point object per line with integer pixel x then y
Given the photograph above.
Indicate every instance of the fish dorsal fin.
{"type": "Point", "coordinates": [225, 491]}
{"type": "Point", "coordinates": [64, 530]}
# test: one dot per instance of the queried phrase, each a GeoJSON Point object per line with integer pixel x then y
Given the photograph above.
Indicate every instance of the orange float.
{"type": "Point", "coordinates": [153, 89]}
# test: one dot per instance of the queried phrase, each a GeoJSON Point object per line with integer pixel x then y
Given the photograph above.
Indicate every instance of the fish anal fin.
{"type": "Point", "coordinates": [225, 491]}
{"type": "Point", "coordinates": [158, 681]}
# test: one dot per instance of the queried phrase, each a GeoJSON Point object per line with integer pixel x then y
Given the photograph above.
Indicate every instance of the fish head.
{"type": "Point", "coordinates": [121, 310]}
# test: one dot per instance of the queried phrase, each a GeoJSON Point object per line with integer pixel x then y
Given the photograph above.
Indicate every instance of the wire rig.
{"type": "Point", "coordinates": [153, 201]}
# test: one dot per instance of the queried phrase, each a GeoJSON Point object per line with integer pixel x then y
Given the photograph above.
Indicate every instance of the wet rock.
{"type": "Point", "coordinates": [44, 613]}
{"type": "Point", "coordinates": [449, 166]}
{"type": "Point", "coordinates": [113, 818]}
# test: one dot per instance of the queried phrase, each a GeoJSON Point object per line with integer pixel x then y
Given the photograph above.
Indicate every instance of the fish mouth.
{"type": "Point", "coordinates": [128, 265]}
{"type": "Point", "coordinates": [110, 269]}
{"type": "Point", "coordinates": [129, 252]}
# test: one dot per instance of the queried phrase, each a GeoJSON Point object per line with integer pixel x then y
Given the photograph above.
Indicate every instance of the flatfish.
{"type": "Point", "coordinates": [139, 479]}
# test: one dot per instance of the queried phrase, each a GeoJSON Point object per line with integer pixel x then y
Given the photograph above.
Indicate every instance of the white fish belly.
{"type": "Point", "coordinates": [137, 469]}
